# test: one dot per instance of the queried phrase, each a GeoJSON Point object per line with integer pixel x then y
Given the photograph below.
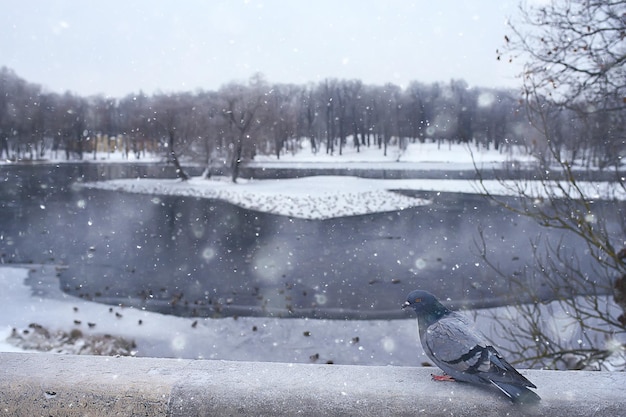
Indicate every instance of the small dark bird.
{"type": "Point", "coordinates": [462, 352]}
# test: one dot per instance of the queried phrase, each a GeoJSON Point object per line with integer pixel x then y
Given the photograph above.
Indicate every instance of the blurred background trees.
{"type": "Point", "coordinates": [229, 126]}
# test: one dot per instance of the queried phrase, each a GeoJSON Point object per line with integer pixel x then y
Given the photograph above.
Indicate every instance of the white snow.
{"type": "Point", "coordinates": [379, 342]}
{"type": "Point", "coordinates": [323, 197]}
{"type": "Point", "coordinates": [318, 197]}
{"type": "Point", "coordinates": [427, 155]}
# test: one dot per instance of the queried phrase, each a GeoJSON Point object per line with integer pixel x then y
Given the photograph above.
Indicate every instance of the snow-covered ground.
{"type": "Point", "coordinates": [35, 313]}
{"type": "Point", "coordinates": [154, 334]}
{"type": "Point", "coordinates": [36, 316]}
{"type": "Point", "coordinates": [428, 155]}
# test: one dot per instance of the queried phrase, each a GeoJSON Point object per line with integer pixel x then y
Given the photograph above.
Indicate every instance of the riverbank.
{"type": "Point", "coordinates": [35, 315]}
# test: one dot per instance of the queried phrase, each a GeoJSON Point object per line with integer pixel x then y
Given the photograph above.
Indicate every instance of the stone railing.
{"type": "Point", "coordinates": [65, 385]}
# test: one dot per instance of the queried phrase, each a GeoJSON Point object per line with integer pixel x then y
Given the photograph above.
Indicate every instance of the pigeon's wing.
{"type": "Point", "coordinates": [464, 353]}
{"type": "Point", "coordinates": [454, 345]}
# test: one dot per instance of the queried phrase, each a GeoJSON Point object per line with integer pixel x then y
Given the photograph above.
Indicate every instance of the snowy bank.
{"type": "Point", "coordinates": [427, 155]}
{"type": "Point", "coordinates": [32, 303]}
{"type": "Point", "coordinates": [32, 299]}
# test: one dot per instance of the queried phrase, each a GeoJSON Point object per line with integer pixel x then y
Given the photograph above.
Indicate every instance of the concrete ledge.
{"type": "Point", "coordinates": [63, 385]}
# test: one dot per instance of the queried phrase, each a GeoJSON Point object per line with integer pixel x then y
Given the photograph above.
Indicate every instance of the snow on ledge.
{"type": "Point", "coordinates": [36, 384]}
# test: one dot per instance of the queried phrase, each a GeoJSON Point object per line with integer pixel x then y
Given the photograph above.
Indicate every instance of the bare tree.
{"type": "Point", "coordinates": [102, 123]}
{"type": "Point", "coordinates": [327, 94]}
{"type": "Point", "coordinates": [574, 58]}
{"type": "Point", "coordinates": [389, 105]}
{"type": "Point", "coordinates": [282, 115]}
{"type": "Point", "coordinates": [136, 130]}
{"type": "Point", "coordinates": [6, 76]}
{"type": "Point", "coordinates": [209, 129]}
{"type": "Point", "coordinates": [241, 104]}
{"type": "Point", "coordinates": [175, 115]}
{"type": "Point", "coordinates": [70, 121]}
{"type": "Point", "coordinates": [308, 114]}
{"type": "Point", "coordinates": [417, 96]}
{"type": "Point", "coordinates": [30, 121]}
{"type": "Point", "coordinates": [352, 91]}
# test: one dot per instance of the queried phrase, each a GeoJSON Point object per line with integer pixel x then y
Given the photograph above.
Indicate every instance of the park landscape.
{"type": "Point", "coordinates": [318, 203]}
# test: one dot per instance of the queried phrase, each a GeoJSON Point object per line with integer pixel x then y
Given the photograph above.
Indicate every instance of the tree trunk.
{"type": "Point", "coordinates": [179, 169]}
{"type": "Point", "coordinates": [4, 146]}
{"type": "Point", "coordinates": [207, 171]}
{"type": "Point", "coordinates": [236, 160]}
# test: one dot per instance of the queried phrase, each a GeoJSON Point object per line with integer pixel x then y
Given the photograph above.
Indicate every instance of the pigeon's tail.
{"type": "Point", "coordinates": [517, 394]}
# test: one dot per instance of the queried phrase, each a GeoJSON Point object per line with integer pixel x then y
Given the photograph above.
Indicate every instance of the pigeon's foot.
{"type": "Point", "coordinates": [443, 377]}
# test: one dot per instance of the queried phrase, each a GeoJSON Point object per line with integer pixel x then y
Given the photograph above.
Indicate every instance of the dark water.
{"type": "Point", "coordinates": [192, 256]}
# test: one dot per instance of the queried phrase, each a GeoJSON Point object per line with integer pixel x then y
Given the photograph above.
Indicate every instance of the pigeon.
{"type": "Point", "coordinates": [462, 352]}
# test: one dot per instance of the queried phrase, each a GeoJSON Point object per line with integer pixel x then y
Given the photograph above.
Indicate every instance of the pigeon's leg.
{"type": "Point", "coordinates": [443, 377]}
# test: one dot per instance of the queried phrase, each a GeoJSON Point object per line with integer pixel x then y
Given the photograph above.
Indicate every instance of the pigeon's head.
{"type": "Point", "coordinates": [423, 302]}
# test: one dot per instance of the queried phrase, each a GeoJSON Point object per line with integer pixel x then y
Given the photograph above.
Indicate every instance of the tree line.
{"type": "Point", "coordinates": [243, 119]}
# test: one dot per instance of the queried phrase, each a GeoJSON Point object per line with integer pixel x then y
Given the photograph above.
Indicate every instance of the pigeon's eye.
{"type": "Point", "coordinates": [417, 300]}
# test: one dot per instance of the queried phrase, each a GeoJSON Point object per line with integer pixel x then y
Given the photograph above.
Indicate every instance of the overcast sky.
{"type": "Point", "coordinates": [118, 47]}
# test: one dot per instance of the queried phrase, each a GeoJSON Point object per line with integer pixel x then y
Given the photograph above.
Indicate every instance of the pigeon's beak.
{"type": "Point", "coordinates": [405, 305]}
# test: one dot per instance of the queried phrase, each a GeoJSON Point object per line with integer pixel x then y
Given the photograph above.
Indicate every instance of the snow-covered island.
{"type": "Point", "coordinates": [326, 196]}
